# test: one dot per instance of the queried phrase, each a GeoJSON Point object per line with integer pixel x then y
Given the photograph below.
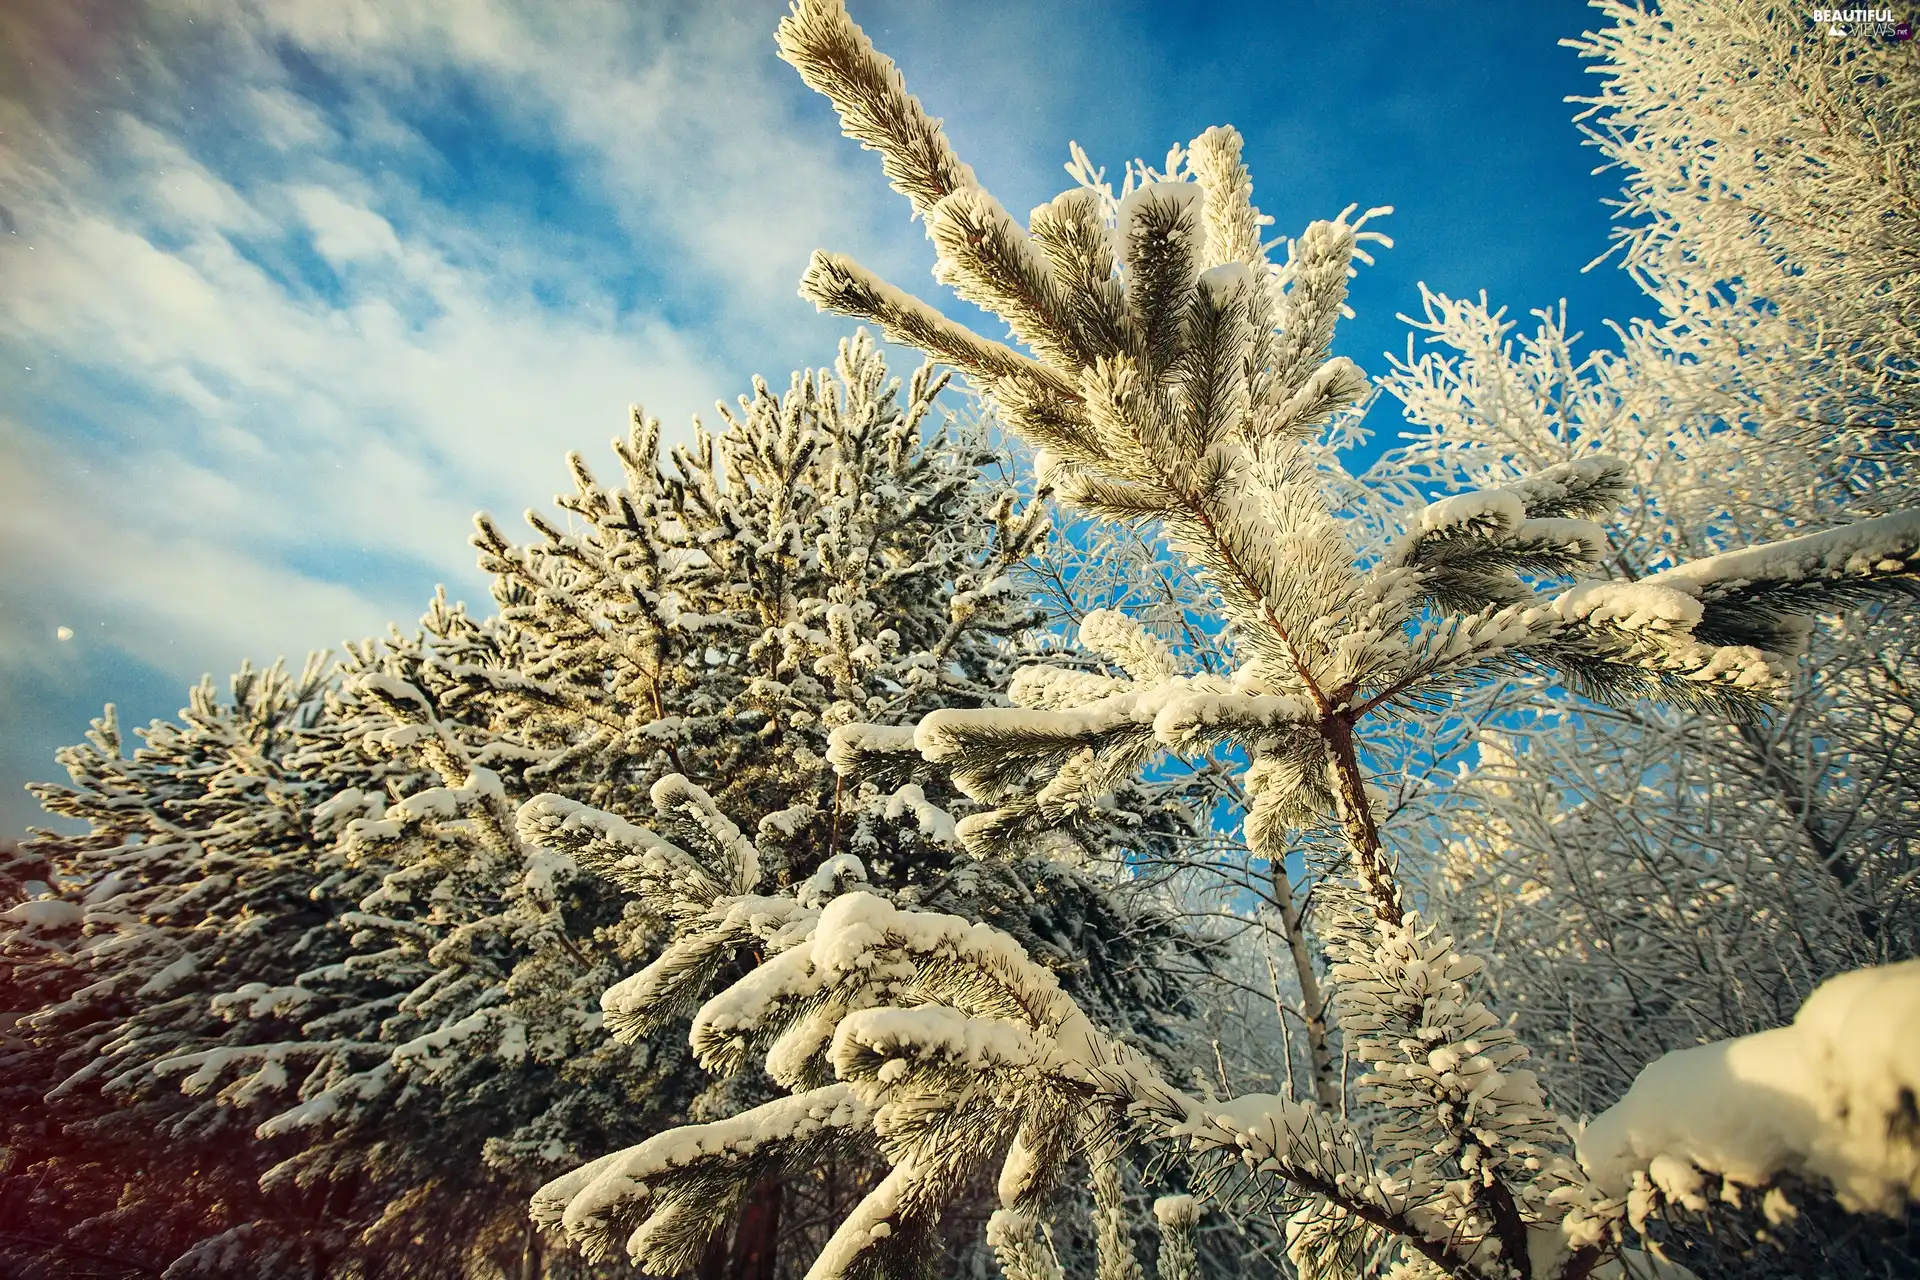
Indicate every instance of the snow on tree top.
{"type": "Point", "coordinates": [1182, 196]}
{"type": "Point", "coordinates": [1176, 1211]}
{"type": "Point", "coordinates": [1223, 281]}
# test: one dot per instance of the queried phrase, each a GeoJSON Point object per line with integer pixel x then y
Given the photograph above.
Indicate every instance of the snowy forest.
{"type": "Point", "coordinates": [1037, 812]}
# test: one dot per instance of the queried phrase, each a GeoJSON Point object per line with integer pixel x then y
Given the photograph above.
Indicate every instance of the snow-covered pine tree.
{"type": "Point", "coordinates": [1172, 375]}
{"type": "Point", "coordinates": [1643, 880]}
{"type": "Point", "coordinates": [197, 872]}
{"type": "Point", "coordinates": [828, 556]}
{"type": "Point", "coordinates": [1676, 878]}
{"type": "Point", "coordinates": [391, 1067]}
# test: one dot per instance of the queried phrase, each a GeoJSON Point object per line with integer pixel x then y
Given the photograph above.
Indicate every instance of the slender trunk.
{"type": "Point", "coordinates": [1326, 1079]}
{"type": "Point", "coordinates": [532, 1265]}
{"type": "Point", "coordinates": [1383, 892]}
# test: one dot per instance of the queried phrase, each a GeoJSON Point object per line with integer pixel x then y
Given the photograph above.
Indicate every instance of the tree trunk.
{"type": "Point", "coordinates": [1326, 1080]}
{"type": "Point", "coordinates": [713, 1263]}
{"type": "Point", "coordinates": [1356, 817]}
{"type": "Point", "coordinates": [532, 1263]}
{"type": "Point", "coordinates": [755, 1241]}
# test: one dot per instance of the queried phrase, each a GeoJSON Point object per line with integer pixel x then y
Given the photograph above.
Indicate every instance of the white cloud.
{"type": "Point", "coordinates": [161, 594]}
{"type": "Point", "coordinates": [343, 231]}
{"type": "Point", "coordinates": [277, 367]}
{"type": "Point", "coordinates": [381, 417]}
{"type": "Point", "coordinates": [200, 419]}
{"type": "Point", "coordinates": [682, 114]}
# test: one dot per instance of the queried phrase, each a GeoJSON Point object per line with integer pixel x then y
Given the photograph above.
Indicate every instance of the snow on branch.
{"type": "Point", "coordinates": [835, 58]}
{"type": "Point", "coordinates": [629, 855]}
{"type": "Point", "coordinates": [1883, 546]}
{"type": "Point", "coordinates": [1764, 595]}
{"type": "Point", "coordinates": [670, 1194]}
{"type": "Point", "coordinates": [679, 977]}
{"type": "Point", "coordinates": [1830, 1097]}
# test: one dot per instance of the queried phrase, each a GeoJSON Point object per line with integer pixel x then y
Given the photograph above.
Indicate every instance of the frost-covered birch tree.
{"type": "Point", "coordinates": [1771, 208]}
{"type": "Point", "coordinates": [1172, 375]}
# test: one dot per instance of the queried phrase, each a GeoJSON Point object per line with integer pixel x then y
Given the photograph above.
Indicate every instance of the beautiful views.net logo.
{"type": "Point", "coordinates": [1883, 23]}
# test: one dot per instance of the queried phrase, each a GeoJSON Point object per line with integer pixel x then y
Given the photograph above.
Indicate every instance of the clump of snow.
{"type": "Point", "coordinates": [1188, 720]}
{"type": "Point", "coordinates": [927, 1033]}
{"type": "Point", "coordinates": [678, 796]}
{"type": "Point", "coordinates": [831, 879]}
{"type": "Point", "coordinates": [1183, 196]}
{"type": "Point", "coordinates": [628, 1003]}
{"type": "Point", "coordinates": [1022, 1255]}
{"type": "Point", "coordinates": [849, 742]}
{"type": "Point", "coordinates": [787, 823]}
{"type": "Point", "coordinates": [43, 913]}
{"type": "Point", "coordinates": [1630, 606]}
{"type": "Point", "coordinates": [1176, 1211]}
{"type": "Point", "coordinates": [1221, 283]}
{"type": "Point", "coordinates": [962, 605]}
{"type": "Point", "coordinates": [163, 982]}
{"type": "Point", "coordinates": [433, 804]}
{"type": "Point", "coordinates": [1500, 506]}
{"type": "Point", "coordinates": [934, 822]}
{"type": "Point", "coordinates": [1832, 1096]}
{"type": "Point", "coordinates": [391, 688]}
{"type": "Point", "coordinates": [1456, 638]}
{"type": "Point", "coordinates": [334, 813]}
{"type": "Point", "coordinates": [546, 871]}
{"type": "Point", "coordinates": [617, 846]}
{"type": "Point", "coordinates": [597, 1193]}
{"type": "Point", "coordinates": [1741, 665]}
{"type": "Point", "coordinates": [258, 1000]}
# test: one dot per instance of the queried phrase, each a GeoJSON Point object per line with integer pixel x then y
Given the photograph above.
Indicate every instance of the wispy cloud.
{"type": "Point", "coordinates": [277, 331]}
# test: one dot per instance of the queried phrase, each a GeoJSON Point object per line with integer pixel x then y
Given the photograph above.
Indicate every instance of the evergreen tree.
{"type": "Point", "coordinates": [197, 872]}
{"type": "Point", "coordinates": [1172, 375]}
{"type": "Point", "coordinates": [829, 556]}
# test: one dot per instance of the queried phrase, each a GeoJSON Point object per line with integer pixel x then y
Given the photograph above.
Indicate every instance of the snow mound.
{"type": "Point", "coordinates": [1176, 1211]}
{"type": "Point", "coordinates": [1831, 1096]}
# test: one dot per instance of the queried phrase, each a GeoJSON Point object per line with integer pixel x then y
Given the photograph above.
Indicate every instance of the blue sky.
{"type": "Point", "coordinates": [293, 287]}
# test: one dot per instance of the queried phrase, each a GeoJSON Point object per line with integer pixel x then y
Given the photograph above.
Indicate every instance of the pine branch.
{"type": "Point", "coordinates": [835, 58]}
